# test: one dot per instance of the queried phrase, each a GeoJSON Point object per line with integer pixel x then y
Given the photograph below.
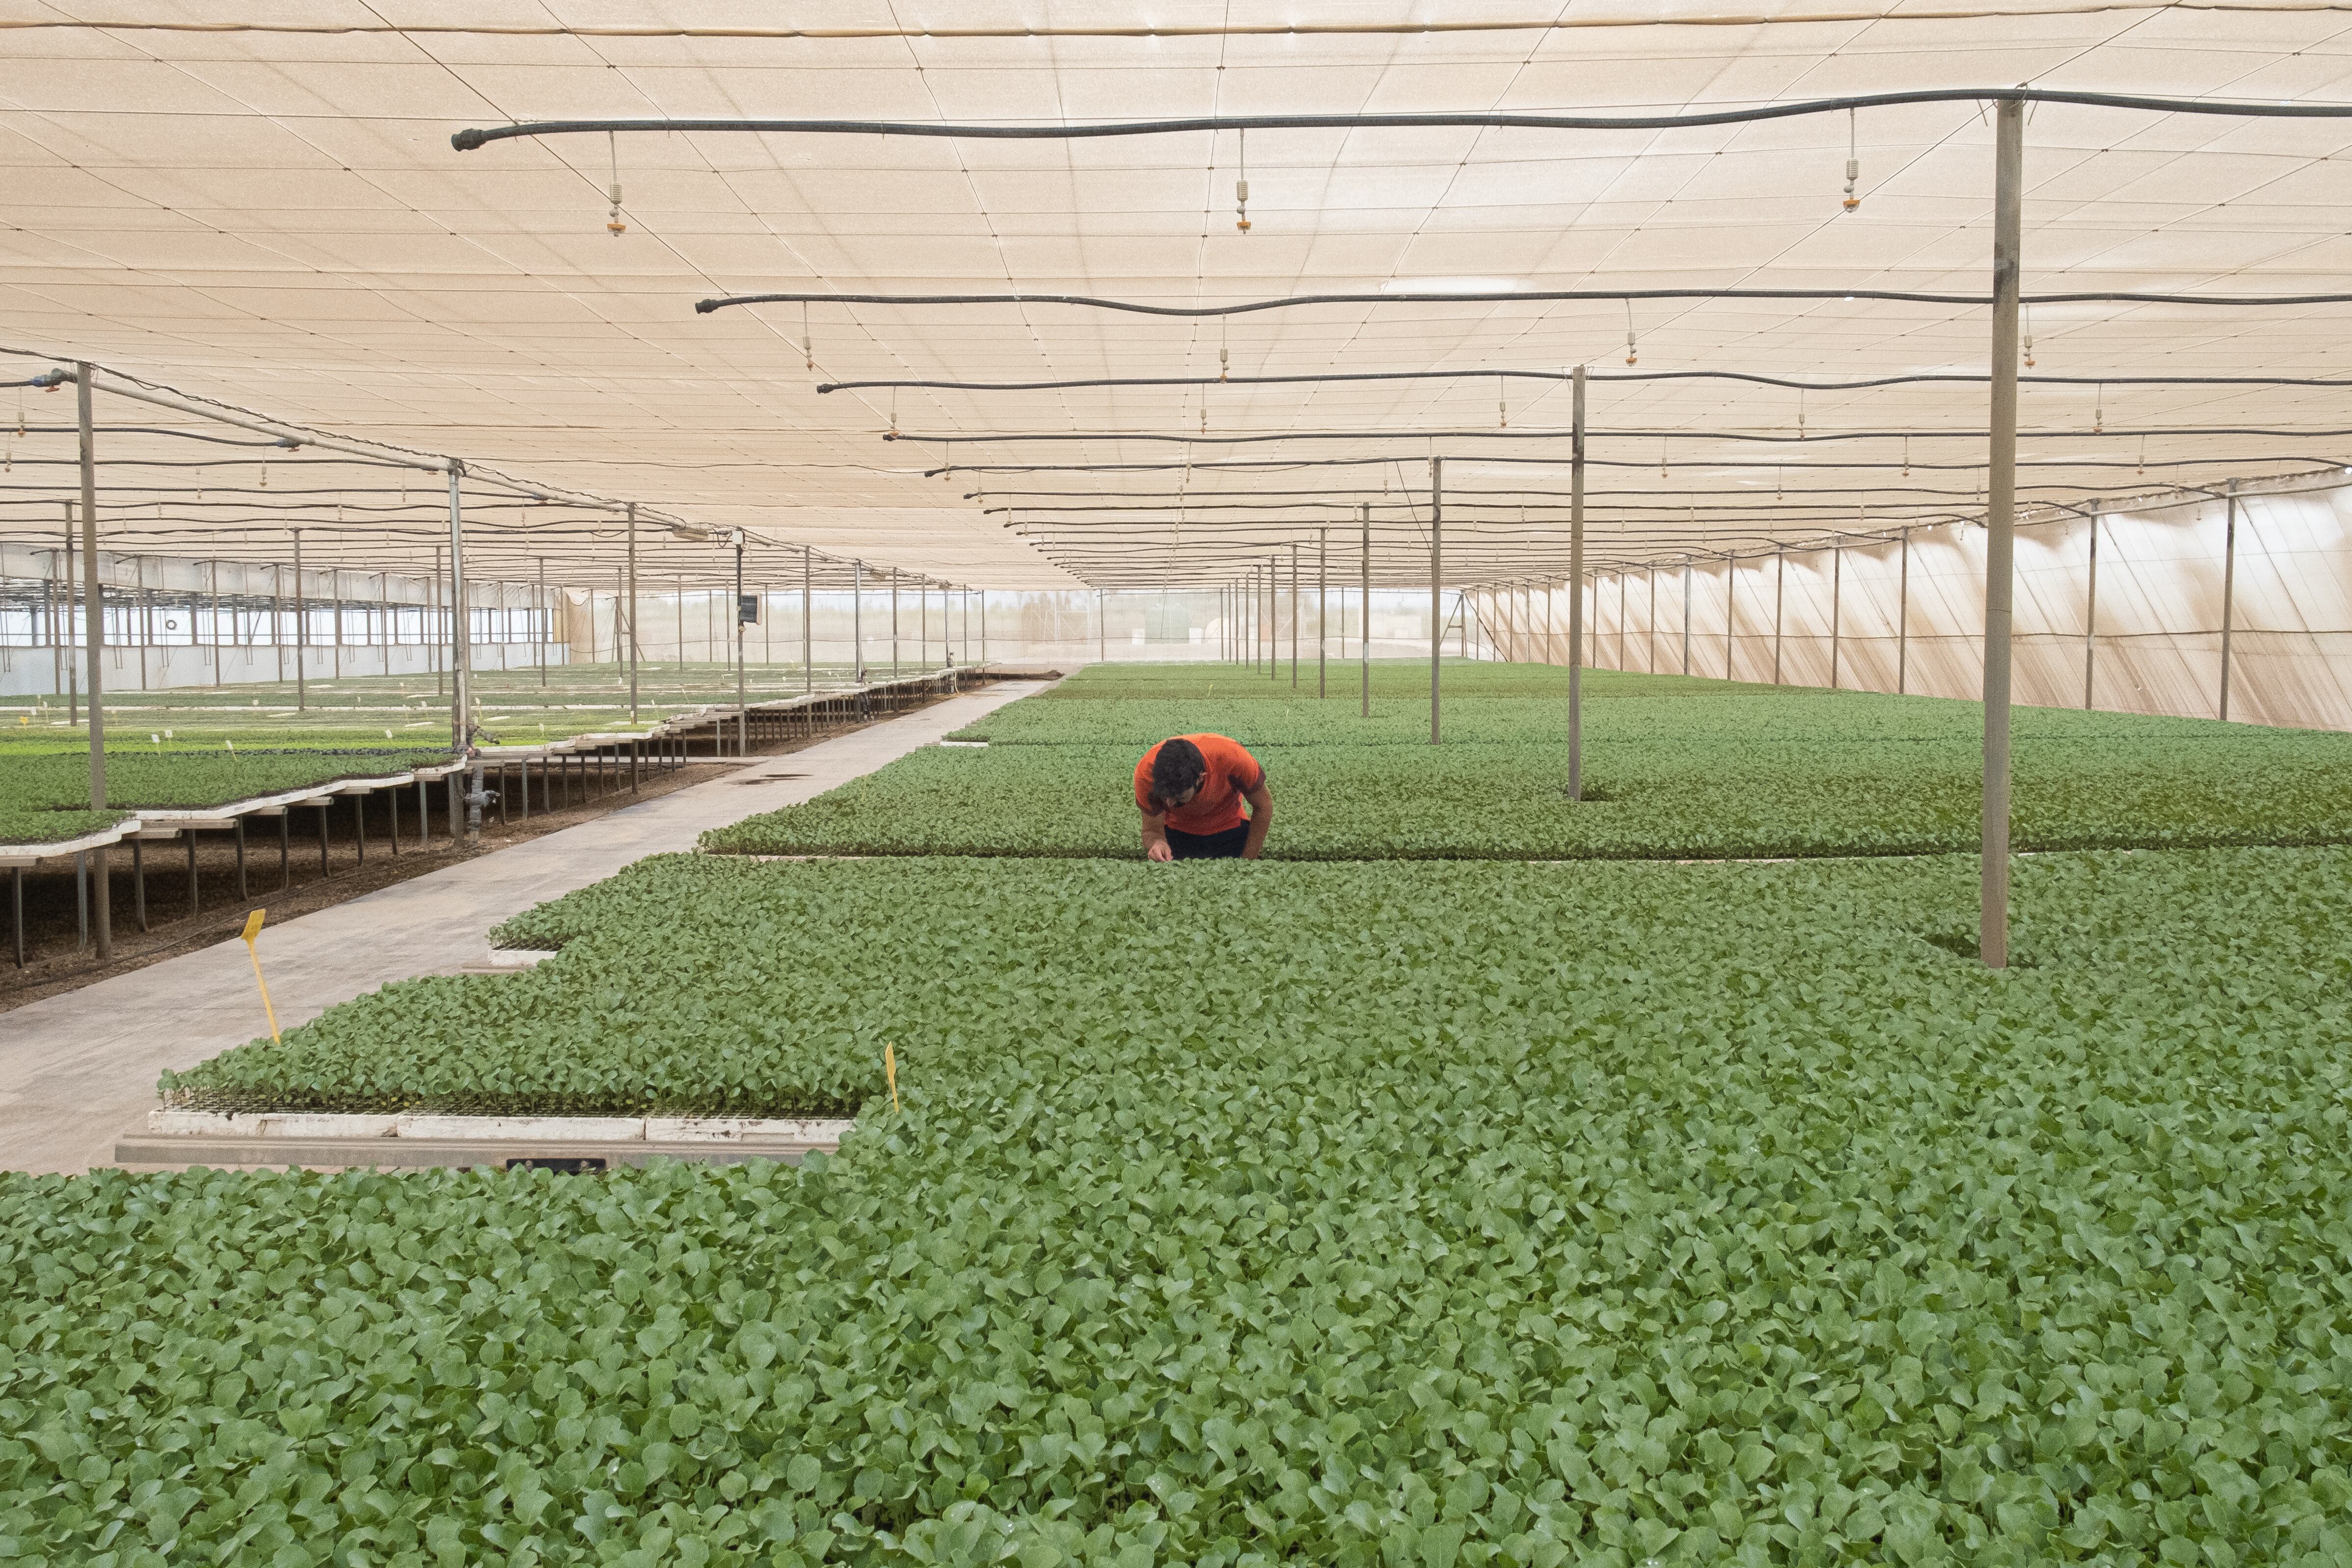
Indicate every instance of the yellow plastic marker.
{"type": "Point", "coordinates": [889, 1068]}
{"type": "Point", "coordinates": [253, 930]}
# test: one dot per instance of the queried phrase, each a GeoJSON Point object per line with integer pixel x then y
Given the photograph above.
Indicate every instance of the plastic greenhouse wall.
{"type": "Point", "coordinates": [2154, 647]}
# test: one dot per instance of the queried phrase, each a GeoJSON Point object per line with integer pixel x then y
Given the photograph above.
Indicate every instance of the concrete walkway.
{"type": "Point", "coordinates": [77, 1069]}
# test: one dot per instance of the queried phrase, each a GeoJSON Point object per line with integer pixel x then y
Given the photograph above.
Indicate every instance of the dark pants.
{"type": "Point", "coordinates": [1225, 845]}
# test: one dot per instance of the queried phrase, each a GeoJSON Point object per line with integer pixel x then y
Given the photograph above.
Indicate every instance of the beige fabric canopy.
{"type": "Point", "coordinates": [265, 208]}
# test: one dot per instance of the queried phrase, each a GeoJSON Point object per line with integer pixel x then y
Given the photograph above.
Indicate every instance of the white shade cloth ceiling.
{"type": "Point", "coordinates": [263, 207]}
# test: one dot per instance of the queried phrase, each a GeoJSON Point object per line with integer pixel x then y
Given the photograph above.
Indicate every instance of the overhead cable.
{"type": "Point", "coordinates": [1815, 438]}
{"type": "Point", "coordinates": [469, 140]}
{"type": "Point", "coordinates": [1749, 377]}
{"type": "Point", "coordinates": [1530, 296]}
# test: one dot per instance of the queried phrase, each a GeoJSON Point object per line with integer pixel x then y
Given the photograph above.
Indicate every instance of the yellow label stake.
{"type": "Point", "coordinates": [253, 930]}
{"type": "Point", "coordinates": [890, 1071]}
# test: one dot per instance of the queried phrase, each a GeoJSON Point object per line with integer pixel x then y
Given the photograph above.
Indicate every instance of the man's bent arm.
{"type": "Point", "coordinates": [1155, 838]}
{"type": "Point", "coordinates": [1261, 803]}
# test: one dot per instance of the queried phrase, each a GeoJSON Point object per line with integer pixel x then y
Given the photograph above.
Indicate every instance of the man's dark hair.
{"type": "Point", "coordinates": [1177, 768]}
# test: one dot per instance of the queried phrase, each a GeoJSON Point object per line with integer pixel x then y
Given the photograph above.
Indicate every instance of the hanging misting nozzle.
{"type": "Point", "coordinates": [1632, 350]}
{"type": "Point", "coordinates": [613, 224]}
{"type": "Point", "coordinates": [1853, 161]}
{"type": "Point", "coordinates": [1222, 361]}
{"type": "Point", "coordinates": [1241, 188]}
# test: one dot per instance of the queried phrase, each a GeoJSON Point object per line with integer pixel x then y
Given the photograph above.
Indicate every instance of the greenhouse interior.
{"type": "Point", "coordinates": [627, 632]}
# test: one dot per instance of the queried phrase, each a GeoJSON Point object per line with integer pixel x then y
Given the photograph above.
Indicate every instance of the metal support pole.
{"type": "Point", "coordinates": [1294, 615]}
{"type": "Point", "coordinates": [1322, 611]}
{"type": "Point", "coordinates": [94, 636]}
{"type": "Point", "coordinates": [1436, 590]}
{"type": "Point", "coordinates": [2229, 587]}
{"type": "Point", "coordinates": [1903, 620]}
{"type": "Point", "coordinates": [2091, 612]}
{"type": "Point", "coordinates": [1253, 627]}
{"type": "Point", "coordinates": [633, 650]}
{"type": "Point", "coordinates": [1102, 630]}
{"type": "Point", "coordinates": [1623, 618]}
{"type": "Point", "coordinates": [58, 643]}
{"type": "Point", "coordinates": [1576, 589]}
{"type": "Point", "coordinates": [461, 653]}
{"type": "Point", "coordinates": [66, 649]}
{"type": "Point", "coordinates": [808, 642]}
{"type": "Point", "coordinates": [1730, 611]}
{"type": "Point", "coordinates": [1780, 592]}
{"type": "Point", "coordinates": [1687, 610]}
{"type": "Point", "coordinates": [2001, 522]}
{"type": "Point", "coordinates": [857, 621]}
{"type": "Point", "coordinates": [301, 629]}
{"type": "Point", "coordinates": [1837, 588]}
{"type": "Point", "coordinates": [894, 623]}
{"type": "Point", "coordinates": [541, 632]}
{"type": "Point", "coordinates": [1364, 607]}
{"type": "Point", "coordinates": [742, 701]}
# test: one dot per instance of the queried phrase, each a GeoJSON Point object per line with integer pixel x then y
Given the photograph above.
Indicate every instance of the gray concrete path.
{"type": "Point", "coordinates": [77, 1069]}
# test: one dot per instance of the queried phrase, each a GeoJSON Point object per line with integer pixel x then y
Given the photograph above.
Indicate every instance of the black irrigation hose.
{"type": "Point", "coordinates": [1564, 375]}
{"type": "Point", "coordinates": [467, 141]}
{"type": "Point", "coordinates": [308, 456]}
{"type": "Point", "coordinates": [243, 500]}
{"type": "Point", "coordinates": [1120, 537]}
{"type": "Point", "coordinates": [1690, 435]}
{"type": "Point", "coordinates": [1899, 296]}
{"type": "Point", "coordinates": [1279, 465]}
{"type": "Point", "coordinates": [1287, 465]}
{"type": "Point", "coordinates": [1351, 495]}
{"type": "Point", "coordinates": [1340, 513]}
{"type": "Point", "coordinates": [158, 430]}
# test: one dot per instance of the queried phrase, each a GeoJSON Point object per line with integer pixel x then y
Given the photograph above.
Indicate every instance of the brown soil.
{"type": "Point", "coordinates": [55, 960]}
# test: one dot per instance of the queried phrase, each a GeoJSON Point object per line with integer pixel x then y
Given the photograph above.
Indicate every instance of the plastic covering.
{"type": "Point", "coordinates": [2152, 642]}
{"type": "Point", "coordinates": [267, 210]}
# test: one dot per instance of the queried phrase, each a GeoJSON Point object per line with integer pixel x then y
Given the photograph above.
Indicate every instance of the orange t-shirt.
{"type": "Point", "coordinates": [1218, 807]}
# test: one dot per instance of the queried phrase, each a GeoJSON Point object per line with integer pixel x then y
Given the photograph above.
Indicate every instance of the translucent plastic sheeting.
{"type": "Point", "coordinates": [267, 208]}
{"type": "Point", "coordinates": [2155, 645]}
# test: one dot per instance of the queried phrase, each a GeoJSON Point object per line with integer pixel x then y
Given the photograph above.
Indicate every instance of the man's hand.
{"type": "Point", "coordinates": [1155, 838]}
{"type": "Point", "coordinates": [1261, 803]}
{"type": "Point", "coordinates": [1158, 851]}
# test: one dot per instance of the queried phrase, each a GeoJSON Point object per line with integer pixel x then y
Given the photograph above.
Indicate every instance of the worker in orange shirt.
{"type": "Point", "coordinates": [1191, 790]}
